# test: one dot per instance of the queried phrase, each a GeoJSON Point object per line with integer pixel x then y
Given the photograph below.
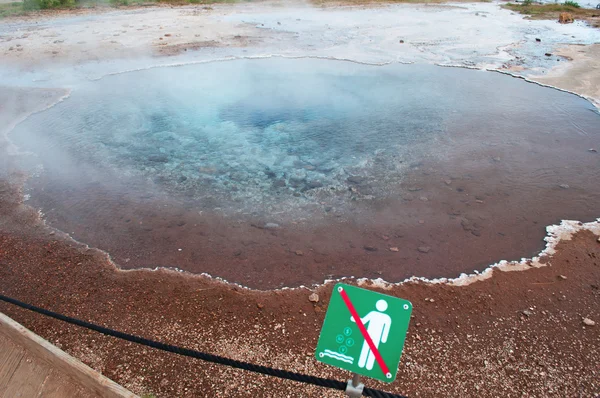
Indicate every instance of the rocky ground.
{"type": "Point", "coordinates": [529, 333]}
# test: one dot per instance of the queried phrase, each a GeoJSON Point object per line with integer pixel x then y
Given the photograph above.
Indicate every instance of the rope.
{"type": "Point", "coordinates": [283, 374]}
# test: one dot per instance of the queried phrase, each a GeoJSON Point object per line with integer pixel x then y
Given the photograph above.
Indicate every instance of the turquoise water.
{"type": "Point", "coordinates": [185, 166]}
{"type": "Point", "coordinates": [245, 130]}
{"type": "Point", "coordinates": [281, 134]}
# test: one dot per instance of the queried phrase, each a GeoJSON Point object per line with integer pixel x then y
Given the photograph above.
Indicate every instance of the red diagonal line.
{"type": "Point", "coordinates": [364, 332]}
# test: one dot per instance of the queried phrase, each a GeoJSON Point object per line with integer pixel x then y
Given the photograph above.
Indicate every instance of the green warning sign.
{"type": "Point", "coordinates": [364, 332]}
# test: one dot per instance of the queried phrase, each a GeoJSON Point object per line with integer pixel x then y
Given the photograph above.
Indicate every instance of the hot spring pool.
{"type": "Point", "coordinates": [184, 166]}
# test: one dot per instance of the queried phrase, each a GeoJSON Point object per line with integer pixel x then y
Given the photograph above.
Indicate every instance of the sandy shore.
{"type": "Point", "coordinates": [514, 334]}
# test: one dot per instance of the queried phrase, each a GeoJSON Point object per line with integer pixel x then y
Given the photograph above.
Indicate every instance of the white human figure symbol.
{"type": "Point", "coordinates": [378, 329]}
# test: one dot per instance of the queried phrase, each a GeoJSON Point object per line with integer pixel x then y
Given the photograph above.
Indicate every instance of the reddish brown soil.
{"type": "Point", "coordinates": [463, 341]}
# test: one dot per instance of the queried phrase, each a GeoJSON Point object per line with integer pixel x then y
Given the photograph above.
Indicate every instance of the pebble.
{"type": "Point", "coordinates": [423, 199]}
{"type": "Point", "coordinates": [448, 182]}
{"type": "Point", "coordinates": [370, 248]}
{"type": "Point", "coordinates": [593, 150]}
{"type": "Point", "coordinates": [424, 249]}
{"type": "Point", "coordinates": [588, 322]}
{"type": "Point", "coordinates": [313, 298]}
{"type": "Point", "coordinates": [527, 313]}
{"type": "Point", "coordinates": [271, 225]}
{"type": "Point", "coordinates": [299, 253]}
{"type": "Point", "coordinates": [562, 277]}
{"type": "Point", "coordinates": [564, 186]}
{"type": "Point", "coordinates": [538, 40]}
{"type": "Point", "coordinates": [394, 249]}
{"type": "Point", "coordinates": [401, 41]}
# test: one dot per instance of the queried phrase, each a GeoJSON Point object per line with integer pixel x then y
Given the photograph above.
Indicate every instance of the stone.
{"type": "Point", "coordinates": [167, 35]}
{"type": "Point", "coordinates": [423, 199]}
{"type": "Point", "coordinates": [394, 249]}
{"type": "Point", "coordinates": [280, 183]}
{"type": "Point", "coordinates": [527, 313]}
{"type": "Point", "coordinates": [356, 180]}
{"type": "Point", "coordinates": [538, 40]}
{"type": "Point", "coordinates": [424, 249]}
{"type": "Point", "coordinates": [299, 253]}
{"type": "Point", "coordinates": [593, 150]}
{"type": "Point", "coordinates": [562, 277]}
{"type": "Point", "coordinates": [313, 298]}
{"type": "Point", "coordinates": [448, 182]}
{"type": "Point", "coordinates": [548, 54]}
{"type": "Point", "coordinates": [370, 248]}
{"type": "Point", "coordinates": [565, 17]}
{"type": "Point", "coordinates": [158, 158]}
{"type": "Point", "coordinates": [564, 186]}
{"type": "Point", "coordinates": [260, 306]}
{"type": "Point", "coordinates": [271, 225]}
{"type": "Point", "coordinates": [313, 184]}
{"type": "Point", "coordinates": [414, 189]}
{"type": "Point", "coordinates": [401, 41]}
{"type": "Point", "coordinates": [588, 322]}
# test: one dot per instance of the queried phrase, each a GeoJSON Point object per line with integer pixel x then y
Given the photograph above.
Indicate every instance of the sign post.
{"type": "Point", "coordinates": [363, 332]}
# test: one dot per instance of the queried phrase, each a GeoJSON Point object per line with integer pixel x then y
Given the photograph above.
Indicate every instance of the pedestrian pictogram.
{"type": "Point", "coordinates": [364, 332]}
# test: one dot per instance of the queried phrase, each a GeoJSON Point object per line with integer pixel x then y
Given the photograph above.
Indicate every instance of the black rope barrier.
{"type": "Point", "coordinates": [283, 374]}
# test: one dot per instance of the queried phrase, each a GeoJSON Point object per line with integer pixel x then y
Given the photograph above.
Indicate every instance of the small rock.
{"type": "Point", "coordinates": [313, 298]}
{"type": "Point", "coordinates": [588, 322]}
{"type": "Point", "coordinates": [299, 253]}
{"type": "Point", "coordinates": [271, 225]}
{"type": "Point", "coordinates": [448, 182]}
{"type": "Point", "coordinates": [538, 40]}
{"type": "Point", "coordinates": [358, 180]}
{"type": "Point", "coordinates": [592, 150]}
{"type": "Point", "coordinates": [401, 41]}
{"type": "Point", "coordinates": [424, 249]}
{"type": "Point", "coordinates": [565, 17]}
{"type": "Point", "coordinates": [370, 248]}
{"type": "Point", "coordinates": [414, 189]}
{"type": "Point", "coordinates": [527, 313]}
{"type": "Point", "coordinates": [423, 199]}
{"type": "Point", "coordinates": [562, 277]}
{"type": "Point", "coordinates": [260, 306]}
{"type": "Point", "coordinates": [158, 158]}
{"type": "Point", "coordinates": [313, 184]}
{"type": "Point", "coordinates": [394, 249]}
{"type": "Point", "coordinates": [167, 35]}
{"type": "Point", "coordinates": [564, 186]}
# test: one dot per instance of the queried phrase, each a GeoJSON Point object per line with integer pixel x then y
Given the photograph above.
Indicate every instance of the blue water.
{"type": "Point", "coordinates": [282, 134]}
